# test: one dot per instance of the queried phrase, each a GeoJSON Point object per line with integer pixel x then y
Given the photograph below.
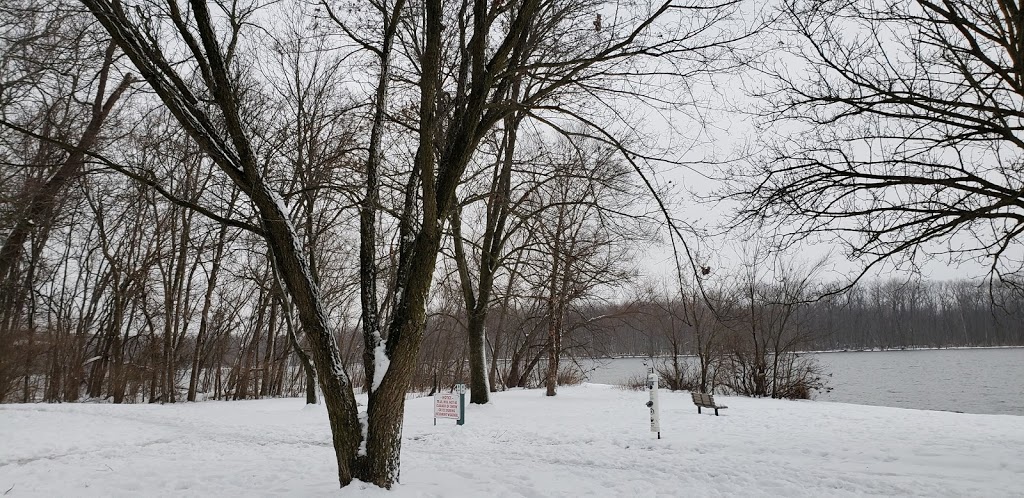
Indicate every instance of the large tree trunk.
{"type": "Point", "coordinates": [339, 398]}
{"type": "Point", "coordinates": [386, 404]}
{"type": "Point", "coordinates": [477, 306]}
{"type": "Point", "coordinates": [479, 383]}
{"type": "Point", "coordinates": [389, 374]}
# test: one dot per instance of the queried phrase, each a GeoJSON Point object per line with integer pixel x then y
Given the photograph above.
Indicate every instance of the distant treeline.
{"type": "Point", "coordinates": [883, 314]}
{"type": "Point", "coordinates": [123, 350]}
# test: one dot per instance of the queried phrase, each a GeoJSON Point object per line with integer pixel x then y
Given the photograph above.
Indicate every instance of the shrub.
{"type": "Point", "coordinates": [635, 382]}
{"type": "Point", "coordinates": [570, 375]}
{"type": "Point", "coordinates": [677, 375]}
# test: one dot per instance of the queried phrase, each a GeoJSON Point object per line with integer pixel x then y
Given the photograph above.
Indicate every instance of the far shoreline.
{"type": "Point", "coordinates": [865, 350]}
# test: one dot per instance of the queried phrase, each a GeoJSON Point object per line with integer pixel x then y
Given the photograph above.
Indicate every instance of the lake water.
{"type": "Point", "coordinates": [965, 380]}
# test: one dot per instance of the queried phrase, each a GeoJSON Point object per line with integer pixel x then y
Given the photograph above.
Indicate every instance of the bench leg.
{"type": "Point", "coordinates": [698, 409]}
{"type": "Point", "coordinates": [716, 412]}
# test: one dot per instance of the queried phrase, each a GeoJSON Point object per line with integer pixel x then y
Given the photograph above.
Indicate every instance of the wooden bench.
{"type": "Point", "coordinates": [706, 401]}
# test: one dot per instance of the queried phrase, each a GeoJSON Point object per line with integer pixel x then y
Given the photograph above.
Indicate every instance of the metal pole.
{"type": "Point", "coordinates": [461, 388]}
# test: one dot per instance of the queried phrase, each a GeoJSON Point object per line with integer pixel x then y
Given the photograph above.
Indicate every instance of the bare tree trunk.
{"type": "Point", "coordinates": [551, 380]}
{"type": "Point", "coordinates": [307, 367]}
{"type": "Point", "coordinates": [204, 317]}
{"type": "Point", "coordinates": [268, 350]}
{"type": "Point", "coordinates": [554, 306]}
{"type": "Point", "coordinates": [478, 304]}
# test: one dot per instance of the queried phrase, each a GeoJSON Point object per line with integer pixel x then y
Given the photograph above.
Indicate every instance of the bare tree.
{"type": "Point", "coordinates": [897, 131]}
{"type": "Point", "coordinates": [39, 206]}
{"type": "Point", "coordinates": [771, 328]}
{"type": "Point", "coordinates": [220, 130]}
{"type": "Point", "coordinates": [490, 251]}
{"type": "Point", "coordinates": [453, 113]}
{"type": "Point", "coordinates": [710, 313]}
{"type": "Point", "coordinates": [191, 54]}
{"type": "Point", "coordinates": [663, 317]}
{"type": "Point", "coordinates": [56, 82]}
{"type": "Point", "coordinates": [582, 219]}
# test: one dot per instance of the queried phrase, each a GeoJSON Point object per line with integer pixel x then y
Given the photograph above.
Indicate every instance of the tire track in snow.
{"type": "Point", "coordinates": [28, 460]}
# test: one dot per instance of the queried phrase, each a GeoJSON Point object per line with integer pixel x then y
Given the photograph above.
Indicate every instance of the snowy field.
{"type": "Point", "coordinates": [590, 440]}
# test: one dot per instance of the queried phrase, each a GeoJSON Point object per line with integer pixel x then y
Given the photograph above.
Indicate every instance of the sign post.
{"type": "Point", "coordinates": [448, 406]}
{"type": "Point", "coordinates": [461, 389]}
{"type": "Point", "coordinates": [652, 387]}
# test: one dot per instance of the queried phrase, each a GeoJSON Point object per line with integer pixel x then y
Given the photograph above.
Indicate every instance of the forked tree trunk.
{"type": "Point", "coordinates": [478, 304]}
{"type": "Point", "coordinates": [386, 404]}
{"type": "Point", "coordinates": [215, 122]}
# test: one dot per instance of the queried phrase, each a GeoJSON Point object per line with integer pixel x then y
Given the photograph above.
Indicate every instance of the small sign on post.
{"type": "Point", "coordinates": [448, 406]}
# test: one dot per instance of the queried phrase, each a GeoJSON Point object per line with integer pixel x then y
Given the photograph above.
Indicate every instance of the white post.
{"type": "Point", "coordinates": [652, 387]}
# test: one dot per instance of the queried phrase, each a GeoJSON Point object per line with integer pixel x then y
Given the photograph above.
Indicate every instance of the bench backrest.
{"type": "Point", "coordinates": [703, 399]}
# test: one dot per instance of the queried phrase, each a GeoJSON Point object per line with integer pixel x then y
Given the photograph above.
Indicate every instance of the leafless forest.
{"type": "Point", "coordinates": [229, 200]}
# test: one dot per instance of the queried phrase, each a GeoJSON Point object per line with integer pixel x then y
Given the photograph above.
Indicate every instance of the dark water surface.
{"type": "Point", "coordinates": [965, 380]}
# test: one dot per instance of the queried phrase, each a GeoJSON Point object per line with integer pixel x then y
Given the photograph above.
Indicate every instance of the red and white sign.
{"type": "Point", "coordinates": [446, 406]}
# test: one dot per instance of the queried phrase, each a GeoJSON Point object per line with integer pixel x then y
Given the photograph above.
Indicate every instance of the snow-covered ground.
{"type": "Point", "coordinates": [590, 440]}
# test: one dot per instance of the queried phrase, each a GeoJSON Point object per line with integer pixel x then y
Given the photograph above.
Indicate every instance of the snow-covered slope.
{"type": "Point", "coordinates": [590, 440]}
